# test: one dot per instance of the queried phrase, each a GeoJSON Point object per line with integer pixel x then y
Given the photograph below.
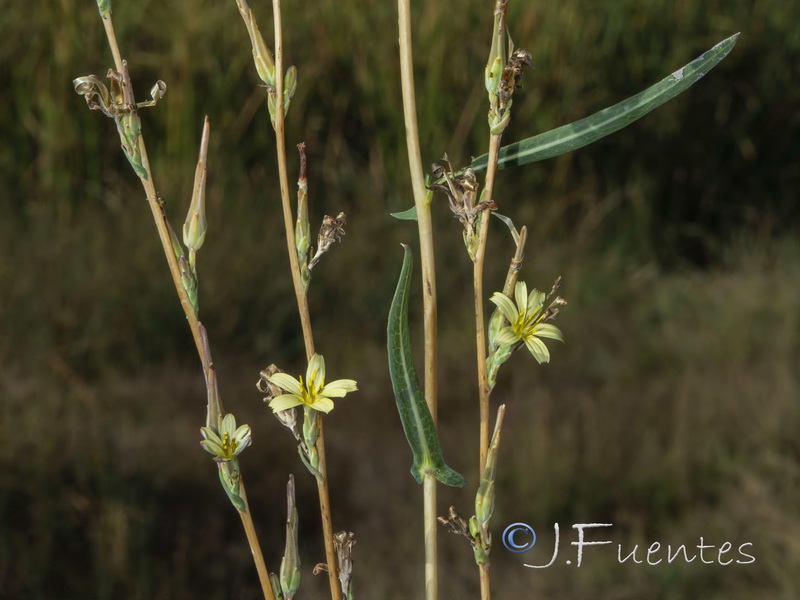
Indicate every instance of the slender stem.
{"type": "Point", "coordinates": [302, 301]}
{"type": "Point", "coordinates": [486, 590]}
{"type": "Point", "coordinates": [157, 210]}
{"type": "Point", "coordinates": [283, 177]}
{"type": "Point", "coordinates": [255, 547]}
{"type": "Point", "coordinates": [112, 42]}
{"type": "Point", "coordinates": [477, 286]}
{"type": "Point", "coordinates": [422, 203]}
{"type": "Point", "coordinates": [516, 263]}
{"type": "Point", "coordinates": [430, 536]}
{"type": "Point", "coordinates": [194, 324]}
{"type": "Point", "coordinates": [480, 330]}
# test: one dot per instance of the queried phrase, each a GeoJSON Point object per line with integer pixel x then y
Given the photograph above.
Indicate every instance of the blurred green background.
{"type": "Point", "coordinates": [671, 412]}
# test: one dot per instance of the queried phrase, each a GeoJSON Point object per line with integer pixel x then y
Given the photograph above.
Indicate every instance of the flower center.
{"type": "Point", "coordinates": [526, 322]}
{"type": "Point", "coordinates": [228, 445]}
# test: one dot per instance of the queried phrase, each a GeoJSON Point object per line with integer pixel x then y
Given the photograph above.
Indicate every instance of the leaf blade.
{"type": "Point", "coordinates": [406, 215]}
{"type": "Point", "coordinates": [609, 120]}
{"type": "Point", "coordinates": [414, 413]}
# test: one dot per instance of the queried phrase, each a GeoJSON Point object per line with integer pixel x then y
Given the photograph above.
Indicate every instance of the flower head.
{"type": "Point", "coordinates": [227, 441]}
{"type": "Point", "coordinates": [527, 320]}
{"type": "Point", "coordinates": [313, 392]}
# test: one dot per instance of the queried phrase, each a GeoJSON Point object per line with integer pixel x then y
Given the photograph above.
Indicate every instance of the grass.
{"type": "Point", "coordinates": [671, 410]}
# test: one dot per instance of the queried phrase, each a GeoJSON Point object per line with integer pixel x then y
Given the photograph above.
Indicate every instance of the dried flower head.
{"type": "Point", "coordinates": [119, 104]}
{"type": "Point", "coordinates": [509, 80]}
{"type": "Point", "coordinates": [331, 230]}
{"type": "Point", "coordinates": [461, 189]}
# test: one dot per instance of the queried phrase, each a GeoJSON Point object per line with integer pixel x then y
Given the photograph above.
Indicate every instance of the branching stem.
{"type": "Point", "coordinates": [302, 300]}
{"type": "Point", "coordinates": [188, 309]}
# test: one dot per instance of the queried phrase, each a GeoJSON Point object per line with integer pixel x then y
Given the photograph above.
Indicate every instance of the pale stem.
{"type": "Point", "coordinates": [112, 42]}
{"type": "Point", "coordinates": [486, 590]}
{"type": "Point", "coordinates": [516, 263]}
{"type": "Point", "coordinates": [157, 210]}
{"type": "Point", "coordinates": [302, 300]}
{"type": "Point", "coordinates": [428, 279]}
{"type": "Point", "coordinates": [477, 286]}
{"type": "Point", "coordinates": [255, 547]}
{"type": "Point", "coordinates": [480, 331]}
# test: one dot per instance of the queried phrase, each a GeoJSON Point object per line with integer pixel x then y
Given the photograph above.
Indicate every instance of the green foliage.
{"type": "Point", "coordinates": [414, 413]}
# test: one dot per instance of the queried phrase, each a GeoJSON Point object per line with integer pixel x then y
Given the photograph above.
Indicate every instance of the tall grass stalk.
{"type": "Point", "coordinates": [422, 202]}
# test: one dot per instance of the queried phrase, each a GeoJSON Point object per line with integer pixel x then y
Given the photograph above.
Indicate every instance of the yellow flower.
{"type": "Point", "coordinates": [526, 321]}
{"type": "Point", "coordinates": [227, 441]}
{"type": "Point", "coordinates": [312, 392]}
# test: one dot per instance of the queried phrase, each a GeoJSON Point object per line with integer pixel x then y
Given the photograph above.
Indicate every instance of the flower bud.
{"type": "Point", "coordinates": [289, 87]}
{"type": "Point", "coordinates": [290, 563]}
{"type": "Point", "coordinates": [195, 226]}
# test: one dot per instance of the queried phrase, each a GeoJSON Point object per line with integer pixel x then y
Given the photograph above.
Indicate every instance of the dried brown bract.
{"type": "Point", "coordinates": [511, 73]}
{"type": "Point", "coordinates": [455, 523]}
{"type": "Point", "coordinates": [331, 230]}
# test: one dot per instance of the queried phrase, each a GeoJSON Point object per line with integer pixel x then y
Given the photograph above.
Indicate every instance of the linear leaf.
{"type": "Point", "coordinates": [585, 131]}
{"type": "Point", "coordinates": [414, 413]}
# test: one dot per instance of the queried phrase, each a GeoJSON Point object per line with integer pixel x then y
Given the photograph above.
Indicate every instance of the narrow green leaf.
{"type": "Point", "coordinates": [580, 133]}
{"type": "Point", "coordinates": [406, 215]}
{"type": "Point", "coordinates": [414, 413]}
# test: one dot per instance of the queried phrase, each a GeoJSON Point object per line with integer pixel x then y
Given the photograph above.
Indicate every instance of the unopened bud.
{"type": "Point", "coordinates": [195, 226]}
{"type": "Point", "coordinates": [289, 87]}
{"type": "Point", "coordinates": [290, 563]}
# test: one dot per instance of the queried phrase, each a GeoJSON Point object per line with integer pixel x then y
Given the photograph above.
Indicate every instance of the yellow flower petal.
{"type": "Point", "coordinates": [315, 374]}
{"type": "Point", "coordinates": [537, 349]}
{"type": "Point", "coordinates": [546, 330]}
{"type": "Point", "coordinates": [286, 382]}
{"type": "Point", "coordinates": [506, 306]}
{"type": "Point", "coordinates": [323, 405]}
{"type": "Point", "coordinates": [284, 401]}
{"type": "Point", "coordinates": [338, 388]}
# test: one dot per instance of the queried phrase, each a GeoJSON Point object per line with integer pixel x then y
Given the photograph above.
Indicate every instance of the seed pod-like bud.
{"type": "Point", "coordinates": [343, 543]}
{"type": "Point", "coordinates": [129, 127]}
{"type": "Point", "coordinates": [493, 74]}
{"type": "Point", "coordinates": [265, 67]}
{"type": "Point", "coordinates": [290, 564]}
{"type": "Point", "coordinates": [195, 226]}
{"type": "Point", "coordinates": [189, 281]}
{"type": "Point", "coordinates": [289, 87]}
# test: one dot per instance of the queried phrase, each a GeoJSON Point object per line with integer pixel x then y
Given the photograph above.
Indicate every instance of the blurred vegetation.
{"type": "Point", "coordinates": [671, 411]}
